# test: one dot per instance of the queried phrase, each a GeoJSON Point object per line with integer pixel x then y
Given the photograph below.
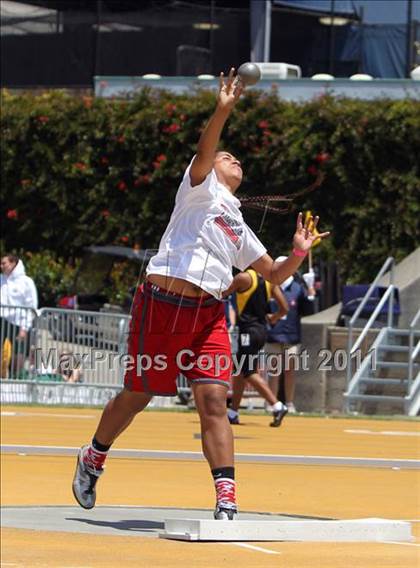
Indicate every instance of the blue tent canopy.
{"type": "Point", "coordinates": [376, 39]}
{"type": "Point", "coordinates": [341, 7]}
{"type": "Point", "coordinates": [374, 11]}
{"type": "Point", "coordinates": [381, 49]}
{"type": "Point", "coordinates": [387, 11]}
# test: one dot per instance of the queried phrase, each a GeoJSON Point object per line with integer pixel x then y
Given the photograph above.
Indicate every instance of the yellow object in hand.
{"type": "Point", "coordinates": [313, 230]}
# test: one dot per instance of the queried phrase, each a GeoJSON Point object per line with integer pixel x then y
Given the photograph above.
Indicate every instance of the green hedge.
{"type": "Point", "coordinates": [79, 171]}
{"type": "Point", "coordinates": [53, 276]}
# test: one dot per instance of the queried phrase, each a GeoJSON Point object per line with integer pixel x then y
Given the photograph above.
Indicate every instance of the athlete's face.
{"type": "Point", "coordinates": [228, 170]}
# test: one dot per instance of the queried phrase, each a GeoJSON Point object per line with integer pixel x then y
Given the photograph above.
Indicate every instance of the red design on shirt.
{"type": "Point", "coordinates": [230, 227]}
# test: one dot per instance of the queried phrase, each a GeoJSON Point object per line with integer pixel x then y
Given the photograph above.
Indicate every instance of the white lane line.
{"type": "Point", "coordinates": [187, 455]}
{"type": "Point", "coordinates": [396, 542]}
{"type": "Point", "coordinates": [403, 520]}
{"type": "Point", "coordinates": [8, 413]}
{"type": "Point", "coordinates": [383, 432]}
{"type": "Point", "coordinates": [252, 547]}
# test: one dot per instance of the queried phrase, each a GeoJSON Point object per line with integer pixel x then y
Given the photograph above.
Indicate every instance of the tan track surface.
{"type": "Point", "coordinates": [337, 492]}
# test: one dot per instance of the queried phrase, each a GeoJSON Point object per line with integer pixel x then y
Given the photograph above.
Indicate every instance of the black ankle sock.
{"type": "Point", "coordinates": [98, 446]}
{"type": "Point", "coordinates": [220, 472]}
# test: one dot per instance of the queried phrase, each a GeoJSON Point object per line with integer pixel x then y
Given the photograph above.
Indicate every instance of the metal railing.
{"type": "Point", "coordinates": [71, 349]}
{"type": "Point", "coordinates": [389, 295]}
{"type": "Point", "coordinates": [62, 345]}
{"type": "Point", "coordinates": [413, 352]}
{"type": "Point", "coordinates": [80, 345]}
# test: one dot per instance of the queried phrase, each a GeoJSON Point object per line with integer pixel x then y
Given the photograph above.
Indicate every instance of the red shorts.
{"type": "Point", "coordinates": [170, 334]}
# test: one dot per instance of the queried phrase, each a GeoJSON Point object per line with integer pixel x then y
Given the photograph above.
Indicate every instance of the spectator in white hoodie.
{"type": "Point", "coordinates": [17, 291]}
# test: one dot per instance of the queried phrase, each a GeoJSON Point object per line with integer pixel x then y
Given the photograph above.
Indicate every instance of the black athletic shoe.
{"type": "Point", "coordinates": [278, 417]}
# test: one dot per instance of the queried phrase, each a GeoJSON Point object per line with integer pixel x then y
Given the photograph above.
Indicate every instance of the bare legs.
{"type": "Point", "coordinates": [210, 399]}
{"type": "Point", "coordinates": [259, 385]}
{"type": "Point", "coordinates": [289, 385]}
{"type": "Point", "coordinates": [289, 380]}
{"type": "Point", "coordinates": [216, 432]}
{"type": "Point", "coordinates": [119, 413]}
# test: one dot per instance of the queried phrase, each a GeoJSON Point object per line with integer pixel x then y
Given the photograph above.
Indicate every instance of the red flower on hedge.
{"type": "Point", "coordinates": [43, 119]}
{"type": "Point", "coordinates": [80, 166]}
{"type": "Point", "coordinates": [105, 213]}
{"type": "Point", "coordinates": [142, 180]}
{"type": "Point", "coordinates": [104, 160]}
{"type": "Point", "coordinates": [322, 157]}
{"type": "Point", "coordinates": [313, 170]}
{"type": "Point", "coordinates": [25, 182]}
{"type": "Point", "coordinates": [124, 239]}
{"type": "Point", "coordinates": [121, 139]}
{"type": "Point", "coordinates": [12, 214]}
{"type": "Point", "coordinates": [170, 109]}
{"type": "Point", "coordinates": [172, 128]}
{"type": "Point", "coordinates": [122, 186]}
{"type": "Point", "coordinates": [263, 124]}
{"type": "Point", "coordinates": [87, 102]}
{"type": "Point", "coordinates": [158, 162]}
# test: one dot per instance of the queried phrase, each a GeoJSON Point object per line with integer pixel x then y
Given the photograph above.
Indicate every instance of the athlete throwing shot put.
{"type": "Point", "coordinates": [178, 313]}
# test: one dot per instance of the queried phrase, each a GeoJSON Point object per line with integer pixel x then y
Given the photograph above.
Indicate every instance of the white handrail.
{"type": "Point", "coordinates": [389, 263]}
{"type": "Point", "coordinates": [412, 352]}
{"type": "Point", "coordinates": [366, 363]}
{"type": "Point", "coordinates": [372, 318]}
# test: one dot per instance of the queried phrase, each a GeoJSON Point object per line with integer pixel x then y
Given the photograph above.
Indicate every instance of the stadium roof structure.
{"type": "Point", "coordinates": [18, 18]}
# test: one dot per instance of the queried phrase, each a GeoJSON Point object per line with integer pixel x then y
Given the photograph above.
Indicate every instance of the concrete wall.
{"type": "Point", "coordinates": [321, 388]}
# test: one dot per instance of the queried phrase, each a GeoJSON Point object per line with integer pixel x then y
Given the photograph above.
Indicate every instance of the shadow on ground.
{"type": "Point", "coordinates": [130, 525]}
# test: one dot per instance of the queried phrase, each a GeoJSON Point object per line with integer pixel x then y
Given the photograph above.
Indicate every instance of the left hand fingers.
{"type": "Point", "coordinates": [230, 78]}
{"type": "Point", "coordinates": [237, 88]}
{"type": "Point", "coordinates": [322, 235]}
{"type": "Point", "coordinates": [307, 225]}
{"type": "Point", "coordinates": [299, 222]}
{"type": "Point", "coordinates": [221, 81]}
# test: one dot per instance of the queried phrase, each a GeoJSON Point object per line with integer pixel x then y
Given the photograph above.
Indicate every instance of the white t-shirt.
{"type": "Point", "coordinates": [206, 236]}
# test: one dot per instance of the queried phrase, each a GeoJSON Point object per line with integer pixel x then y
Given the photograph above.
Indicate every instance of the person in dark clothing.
{"type": "Point", "coordinates": [252, 295]}
{"type": "Point", "coordinates": [285, 336]}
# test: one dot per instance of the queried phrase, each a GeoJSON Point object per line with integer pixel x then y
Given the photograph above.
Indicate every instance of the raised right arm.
{"type": "Point", "coordinates": [229, 93]}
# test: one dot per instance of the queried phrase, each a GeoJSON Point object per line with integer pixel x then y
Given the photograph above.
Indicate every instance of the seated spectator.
{"type": "Point", "coordinates": [68, 369]}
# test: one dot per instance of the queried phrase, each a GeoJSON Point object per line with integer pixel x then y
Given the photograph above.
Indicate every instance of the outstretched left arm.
{"type": "Point", "coordinates": [277, 272]}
